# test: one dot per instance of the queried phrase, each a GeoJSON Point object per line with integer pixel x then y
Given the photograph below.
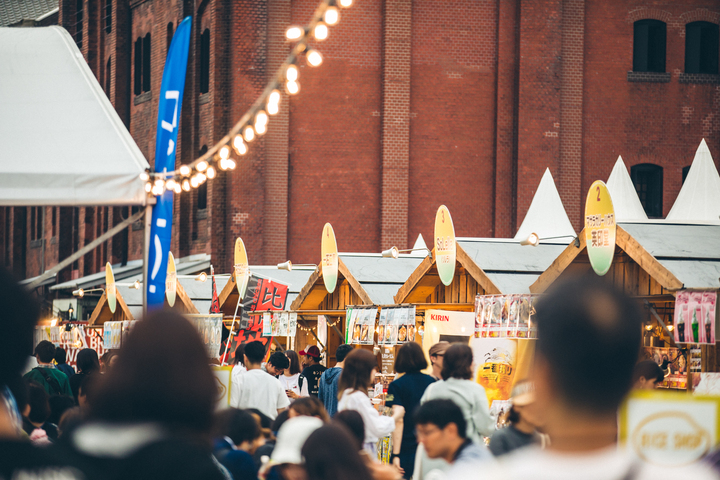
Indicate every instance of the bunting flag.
{"type": "Point", "coordinates": [215, 307]}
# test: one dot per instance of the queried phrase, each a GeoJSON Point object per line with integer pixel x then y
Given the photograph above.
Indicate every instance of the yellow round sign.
{"type": "Point", "coordinates": [171, 280]}
{"type": "Point", "coordinates": [241, 268]}
{"type": "Point", "coordinates": [329, 262]}
{"type": "Point", "coordinates": [600, 227]}
{"type": "Point", "coordinates": [445, 247]}
{"type": "Point", "coordinates": [110, 287]}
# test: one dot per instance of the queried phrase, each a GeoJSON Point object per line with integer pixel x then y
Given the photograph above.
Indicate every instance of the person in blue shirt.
{"type": "Point", "coordinates": [328, 384]}
{"type": "Point", "coordinates": [61, 360]}
{"type": "Point", "coordinates": [406, 392]}
{"type": "Point", "coordinates": [238, 435]}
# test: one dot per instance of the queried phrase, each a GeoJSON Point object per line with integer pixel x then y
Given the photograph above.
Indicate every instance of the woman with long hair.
{"type": "Point", "coordinates": [356, 378]}
{"type": "Point", "coordinates": [87, 363]}
{"type": "Point", "coordinates": [309, 407]}
{"type": "Point", "coordinates": [295, 385]}
{"type": "Point", "coordinates": [330, 454]}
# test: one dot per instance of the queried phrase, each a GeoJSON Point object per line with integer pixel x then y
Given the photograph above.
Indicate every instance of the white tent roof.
{"type": "Point", "coordinates": [61, 141]}
{"type": "Point", "coordinates": [624, 196]}
{"type": "Point", "coordinates": [699, 197]}
{"type": "Point", "coordinates": [546, 216]}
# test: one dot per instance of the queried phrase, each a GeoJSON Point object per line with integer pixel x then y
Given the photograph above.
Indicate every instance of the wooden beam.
{"type": "Point", "coordinates": [354, 283]}
{"type": "Point", "coordinates": [227, 291]}
{"type": "Point", "coordinates": [188, 305]}
{"type": "Point", "coordinates": [414, 278]}
{"type": "Point", "coordinates": [305, 291]}
{"type": "Point", "coordinates": [646, 261]}
{"type": "Point", "coordinates": [476, 272]}
{"type": "Point", "coordinates": [559, 265]}
{"type": "Point", "coordinates": [96, 318]}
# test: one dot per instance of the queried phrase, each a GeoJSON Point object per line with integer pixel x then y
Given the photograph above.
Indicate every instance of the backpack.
{"type": "Point", "coordinates": [50, 380]}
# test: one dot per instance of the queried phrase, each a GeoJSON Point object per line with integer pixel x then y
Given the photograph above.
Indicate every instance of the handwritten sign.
{"type": "Point", "coordinates": [329, 253]}
{"type": "Point", "coordinates": [445, 246]}
{"type": "Point", "coordinates": [600, 227]}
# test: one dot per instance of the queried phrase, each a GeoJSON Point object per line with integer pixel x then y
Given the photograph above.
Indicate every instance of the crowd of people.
{"type": "Point", "coordinates": [150, 410]}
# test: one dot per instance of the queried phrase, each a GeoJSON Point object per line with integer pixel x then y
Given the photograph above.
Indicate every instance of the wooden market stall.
{"type": "Point", "coordinates": [102, 312]}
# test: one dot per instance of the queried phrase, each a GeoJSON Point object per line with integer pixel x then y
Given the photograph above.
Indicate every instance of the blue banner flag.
{"type": "Point", "coordinates": [169, 107]}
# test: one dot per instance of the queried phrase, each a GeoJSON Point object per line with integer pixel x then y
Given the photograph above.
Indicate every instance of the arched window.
{"type": "Point", "coordinates": [108, 76]}
{"type": "Point", "coordinates": [648, 181]}
{"type": "Point", "coordinates": [205, 61]}
{"type": "Point", "coordinates": [141, 80]}
{"type": "Point", "coordinates": [108, 16]}
{"type": "Point", "coordinates": [146, 63]}
{"type": "Point", "coordinates": [202, 189]}
{"type": "Point", "coordinates": [79, 4]}
{"type": "Point", "coordinates": [649, 46]}
{"type": "Point", "coordinates": [701, 48]}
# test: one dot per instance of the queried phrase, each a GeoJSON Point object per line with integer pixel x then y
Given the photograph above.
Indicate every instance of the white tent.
{"type": "Point", "coordinates": [624, 196]}
{"type": "Point", "coordinates": [61, 141]}
{"type": "Point", "coordinates": [546, 216]}
{"type": "Point", "coordinates": [699, 197]}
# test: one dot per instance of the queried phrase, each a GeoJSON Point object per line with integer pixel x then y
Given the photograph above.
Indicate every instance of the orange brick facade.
{"type": "Point", "coordinates": [417, 103]}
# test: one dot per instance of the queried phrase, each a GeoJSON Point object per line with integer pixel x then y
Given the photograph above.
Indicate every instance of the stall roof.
{"type": "Point", "coordinates": [699, 197]}
{"type": "Point", "coordinates": [121, 272]}
{"type": "Point", "coordinates": [508, 256]}
{"type": "Point", "coordinates": [62, 142]}
{"type": "Point", "coordinates": [14, 11]}
{"type": "Point", "coordinates": [623, 194]}
{"type": "Point", "coordinates": [546, 216]}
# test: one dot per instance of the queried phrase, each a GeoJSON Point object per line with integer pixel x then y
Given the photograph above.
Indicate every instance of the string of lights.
{"type": "Point", "coordinates": [254, 122]}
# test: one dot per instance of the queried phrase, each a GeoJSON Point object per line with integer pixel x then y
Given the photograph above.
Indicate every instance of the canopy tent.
{"type": "Point", "coordinates": [63, 143]}
{"type": "Point", "coordinates": [699, 197]}
{"type": "Point", "coordinates": [623, 194]}
{"type": "Point", "coordinates": [546, 216]}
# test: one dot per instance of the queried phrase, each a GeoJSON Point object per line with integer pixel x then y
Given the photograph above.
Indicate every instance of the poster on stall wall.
{"type": "Point", "coordinates": [352, 331]}
{"type": "Point", "coordinates": [267, 324]}
{"type": "Point", "coordinates": [499, 364]}
{"type": "Point", "coordinates": [282, 322]}
{"type": "Point", "coordinates": [253, 333]}
{"type": "Point", "coordinates": [223, 382]}
{"type": "Point", "coordinates": [402, 322]}
{"type": "Point", "coordinates": [322, 333]}
{"type": "Point", "coordinates": [504, 316]}
{"type": "Point", "coordinates": [695, 360]}
{"type": "Point", "coordinates": [112, 335]}
{"type": "Point", "coordinates": [694, 317]}
{"type": "Point", "coordinates": [262, 294]}
{"type": "Point", "coordinates": [209, 327]}
{"type": "Point", "coordinates": [669, 429]}
{"type": "Point", "coordinates": [382, 324]}
{"type": "Point", "coordinates": [677, 378]}
{"type": "Point", "coordinates": [292, 324]}
{"type": "Point", "coordinates": [449, 326]}
{"type": "Point", "coordinates": [391, 327]}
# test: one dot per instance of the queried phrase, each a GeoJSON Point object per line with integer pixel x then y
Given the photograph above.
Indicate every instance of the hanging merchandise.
{"type": "Point", "coordinates": [505, 316]}
{"type": "Point", "coordinates": [382, 326]}
{"type": "Point", "coordinates": [112, 335]}
{"type": "Point", "coordinates": [292, 324]}
{"type": "Point", "coordinates": [694, 318]}
{"type": "Point", "coordinates": [267, 324]}
{"type": "Point", "coordinates": [360, 322]}
{"type": "Point", "coordinates": [209, 327]}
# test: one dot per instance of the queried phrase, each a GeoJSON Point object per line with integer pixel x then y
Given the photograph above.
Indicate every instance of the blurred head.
{"type": "Point", "coordinates": [69, 420]}
{"type": "Point", "coordinates": [585, 319]}
{"type": "Point", "coordinates": [437, 353]}
{"type": "Point", "coordinates": [353, 421]}
{"type": "Point", "coordinates": [162, 376]}
{"type": "Point", "coordinates": [87, 390]}
{"type": "Point", "coordinates": [45, 352]}
{"type": "Point", "coordinates": [440, 426]}
{"type": "Point", "coordinates": [19, 315]}
{"type": "Point", "coordinates": [523, 408]}
{"type": "Point", "coordinates": [342, 352]}
{"type": "Point", "coordinates": [647, 375]}
{"type": "Point", "coordinates": [309, 407]}
{"type": "Point", "coordinates": [87, 361]}
{"type": "Point", "coordinates": [294, 360]}
{"type": "Point", "coordinates": [254, 353]}
{"type": "Point", "coordinates": [330, 453]}
{"type": "Point", "coordinates": [241, 427]}
{"type": "Point", "coordinates": [292, 436]}
{"type": "Point", "coordinates": [58, 405]}
{"type": "Point", "coordinates": [239, 352]}
{"type": "Point", "coordinates": [458, 362]}
{"type": "Point", "coordinates": [358, 372]}
{"type": "Point", "coordinates": [106, 360]}
{"type": "Point", "coordinates": [37, 409]}
{"type": "Point", "coordinates": [60, 356]}
{"type": "Point", "coordinates": [410, 358]}
{"type": "Point", "coordinates": [277, 363]}
{"type": "Point", "coordinates": [279, 420]}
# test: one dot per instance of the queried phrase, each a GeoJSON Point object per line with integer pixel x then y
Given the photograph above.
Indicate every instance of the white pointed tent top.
{"type": "Point", "coordinates": [419, 246]}
{"type": "Point", "coordinates": [699, 197]}
{"type": "Point", "coordinates": [546, 216]}
{"type": "Point", "coordinates": [624, 196]}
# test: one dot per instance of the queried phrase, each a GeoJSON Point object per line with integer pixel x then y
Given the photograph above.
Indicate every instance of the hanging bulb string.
{"type": "Point", "coordinates": [195, 168]}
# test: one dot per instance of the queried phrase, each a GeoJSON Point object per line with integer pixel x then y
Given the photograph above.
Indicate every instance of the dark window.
{"type": "Point", "coordinates": [108, 16]}
{"type": "Point", "coordinates": [108, 76]}
{"type": "Point", "coordinates": [685, 172]}
{"type": "Point", "coordinates": [54, 221]}
{"type": "Point", "coordinates": [39, 222]}
{"type": "Point", "coordinates": [202, 189]}
{"type": "Point", "coordinates": [33, 232]}
{"type": "Point", "coordinates": [79, 23]}
{"type": "Point", "coordinates": [649, 46]}
{"type": "Point", "coordinates": [205, 61]}
{"type": "Point", "coordinates": [648, 181]}
{"type": "Point", "coordinates": [36, 223]}
{"type": "Point", "coordinates": [701, 48]}
{"type": "Point", "coordinates": [8, 236]}
{"type": "Point", "coordinates": [138, 67]}
{"type": "Point", "coordinates": [146, 57]}
{"type": "Point", "coordinates": [169, 34]}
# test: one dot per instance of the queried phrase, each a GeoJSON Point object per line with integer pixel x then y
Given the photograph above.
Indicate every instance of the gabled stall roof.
{"type": "Point", "coordinates": [61, 141]}
{"type": "Point", "coordinates": [546, 216]}
{"type": "Point", "coordinates": [102, 313]}
{"type": "Point", "coordinates": [699, 197]}
{"type": "Point", "coordinates": [623, 194]}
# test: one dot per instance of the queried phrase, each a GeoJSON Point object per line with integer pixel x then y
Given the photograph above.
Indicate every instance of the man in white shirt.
{"type": "Point", "coordinates": [588, 339]}
{"type": "Point", "coordinates": [255, 388]}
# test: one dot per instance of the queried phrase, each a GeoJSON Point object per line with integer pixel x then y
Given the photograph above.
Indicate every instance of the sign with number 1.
{"type": "Point", "coordinates": [600, 227]}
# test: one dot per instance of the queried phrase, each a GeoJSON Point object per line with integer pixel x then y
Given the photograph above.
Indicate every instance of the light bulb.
{"type": "Point", "coordinates": [184, 170]}
{"type": "Point", "coordinates": [159, 183]}
{"type": "Point", "coordinates": [294, 32]}
{"type": "Point", "coordinates": [230, 163]}
{"type": "Point", "coordinates": [186, 185]}
{"type": "Point", "coordinates": [260, 128]}
{"type": "Point", "coordinates": [239, 145]}
{"type": "Point", "coordinates": [291, 73]}
{"type": "Point", "coordinates": [261, 117]}
{"type": "Point", "coordinates": [178, 189]}
{"type": "Point", "coordinates": [222, 164]}
{"type": "Point", "coordinates": [274, 97]}
{"type": "Point", "coordinates": [248, 134]}
{"type": "Point", "coordinates": [346, 3]}
{"type": "Point", "coordinates": [194, 182]}
{"type": "Point", "coordinates": [320, 32]}
{"type": "Point", "coordinates": [225, 152]}
{"type": "Point", "coordinates": [314, 58]}
{"type": "Point", "coordinates": [170, 184]}
{"type": "Point", "coordinates": [144, 176]}
{"type": "Point", "coordinates": [201, 178]}
{"type": "Point", "coordinates": [332, 16]}
{"type": "Point", "coordinates": [211, 172]}
{"type": "Point", "coordinates": [201, 166]}
{"type": "Point", "coordinates": [273, 108]}
{"type": "Point", "coordinates": [292, 87]}
{"type": "Point", "coordinates": [148, 187]}
{"type": "Point", "coordinates": [157, 190]}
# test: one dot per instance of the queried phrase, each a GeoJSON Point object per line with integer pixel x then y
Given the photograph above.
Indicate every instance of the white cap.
{"type": "Point", "coordinates": [291, 438]}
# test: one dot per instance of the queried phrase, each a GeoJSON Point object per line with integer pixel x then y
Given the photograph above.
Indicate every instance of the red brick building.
{"type": "Point", "coordinates": [418, 103]}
